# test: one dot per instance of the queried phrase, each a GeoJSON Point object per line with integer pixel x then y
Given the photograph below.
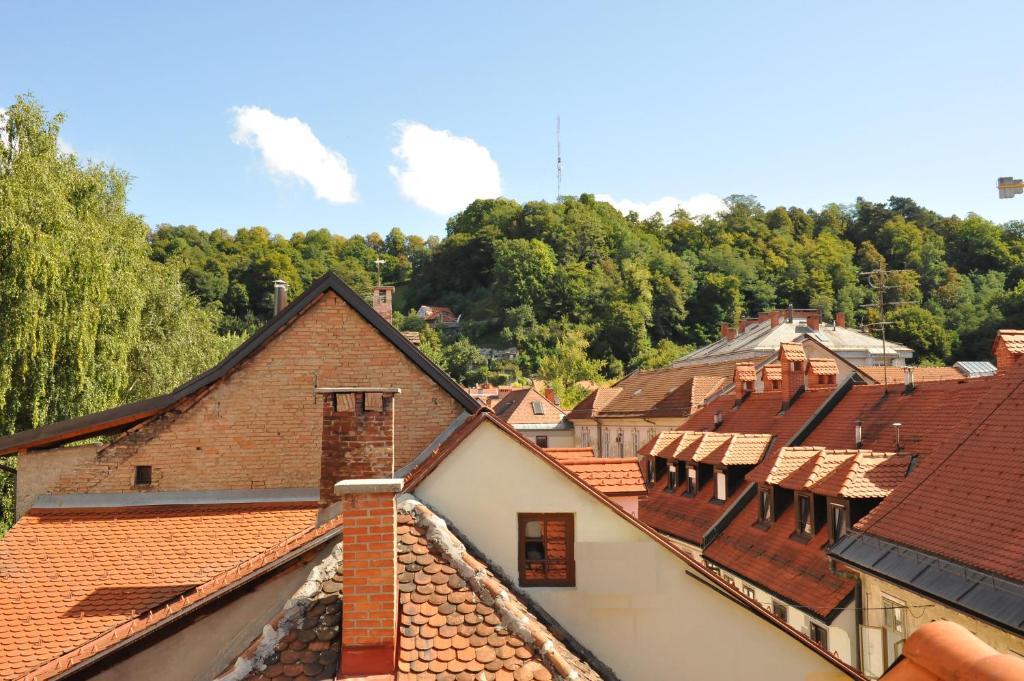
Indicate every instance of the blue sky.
{"type": "Point", "coordinates": [796, 103]}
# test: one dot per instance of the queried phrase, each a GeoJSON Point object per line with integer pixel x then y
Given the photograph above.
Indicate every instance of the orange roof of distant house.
{"type": "Point", "coordinates": [927, 415]}
{"type": "Point", "coordinates": [674, 391]}
{"type": "Point", "coordinates": [526, 406]}
{"type": "Point", "coordinates": [945, 651]}
{"type": "Point", "coordinates": [792, 352]}
{"type": "Point", "coordinates": [894, 375]}
{"type": "Point", "coordinates": [76, 581]}
{"type": "Point", "coordinates": [745, 371]}
{"type": "Point", "coordinates": [1013, 339]}
{"type": "Point", "coordinates": [822, 366]}
{"type": "Point", "coordinates": [612, 476]}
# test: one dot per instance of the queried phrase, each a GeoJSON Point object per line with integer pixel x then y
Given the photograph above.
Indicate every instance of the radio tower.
{"type": "Point", "coordinates": [558, 156]}
{"type": "Point", "coordinates": [878, 280]}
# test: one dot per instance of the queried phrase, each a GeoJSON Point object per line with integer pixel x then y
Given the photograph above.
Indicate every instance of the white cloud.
{"type": "Point", "coordinates": [289, 147]}
{"type": "Point", "coordinates": [696, 206]}
{"type": "Point", "coordinates": [443, 173]}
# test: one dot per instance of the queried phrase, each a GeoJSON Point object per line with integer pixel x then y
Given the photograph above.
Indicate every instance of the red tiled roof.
{"type": "Point", "coordinates": [453, 623]}
{"type": "Point", "coordinates": [792, 352]}
{"type": "Point", "coordinates": [674, 391]}
{"type": "Point", "coordinates": [77, 581]}
{"type": "Point", "coordinates": [927, 415]}
{"type": "Point", "coordinates": [772, 372]}
{"type": "Point", "coordinates": [570, 452]}
{"type": "Point", "coordinates": [795, 571]}
{"type": "Point", "coordinates": [822, 366]}
{"type": "Point", "coordinates": [1013, 339]}
{"type": "Point", "coordinates": [611, 476]}
{"type": "Point", "coordinates": [727, 449]}
{"type": "Point", "coordinates": [759, 413]}
{"type": "Point", "coordinates": [894, 375]}
{"type": "Point", "coordinates": [517, 408]}
{"type": "Point", "coordinates": [745, 372]}
{"type": "Point", "coordinates": [688, 518]}
{"type": "Point", "coordinates": [964, 501]}
{"type": "Point", "coordinates": [850, 473]}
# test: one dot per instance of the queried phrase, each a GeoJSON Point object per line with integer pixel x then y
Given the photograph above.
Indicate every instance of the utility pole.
{"type": "Point", "coordinates": [379, 262]}
{"type": "Point", "coordinates": [878, 281]}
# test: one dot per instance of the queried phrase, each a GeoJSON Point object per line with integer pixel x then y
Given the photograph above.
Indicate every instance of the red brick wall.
{"type": "Point", "coordinates": [1004, 358]}
{"type": "Point", "coordinates": [357, 443]}
{"type": "Point", "coordinates": [369, 621]}
{"type": "Point", "coordinates": [261, 426]}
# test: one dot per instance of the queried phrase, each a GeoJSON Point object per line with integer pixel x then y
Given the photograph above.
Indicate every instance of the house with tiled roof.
{"type": "Point", "coordinates": [806, 498]}
{"type": "Point", "coordinates": [617, 420]}
{"type": "Point", "coordinates": [621, 480]}
{"type": "Point", "coordinates": [536, 417]}
{"type": "Point", "coordinates": [281, 516]}
{"type": "Point", "coordinates": [761, 335]}
{"type": "Point", "coordinates": [946, 544]}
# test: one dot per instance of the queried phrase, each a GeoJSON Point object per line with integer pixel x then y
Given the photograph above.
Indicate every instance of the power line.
{"type": "Point", "coordinates": [878, 280]}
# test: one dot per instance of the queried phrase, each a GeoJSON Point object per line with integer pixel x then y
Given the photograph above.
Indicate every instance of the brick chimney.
{"type": "Point", "coordinates": [382, 303]}
{"type": "Point", "coordinates": [1008, 348]}
{"type": "Point", "coordinates": [814, 321]}
{"type": "Point", "coordinates": [369, 610]}
{"type": "Point", "coordinates": [841, 320]}
{"type": "Point", "coordinates": [775, 316]}
{"type": "Point", "coordinates": [728, 333]}
{"type": "Point", "coordinates": [792, 361]}
{"type": "Point", "coordinates": [358, 439]}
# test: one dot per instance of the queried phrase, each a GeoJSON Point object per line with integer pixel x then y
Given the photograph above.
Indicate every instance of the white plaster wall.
{"type": "Point", "coordinates": [634, 605]}
{"type": "Point", "coordinates": [556, 438]}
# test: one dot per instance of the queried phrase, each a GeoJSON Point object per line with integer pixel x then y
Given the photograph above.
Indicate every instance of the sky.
{"type": "Point", "coordinates": [361, 117]}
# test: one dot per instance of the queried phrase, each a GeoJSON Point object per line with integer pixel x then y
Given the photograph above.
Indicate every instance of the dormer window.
{"type": "Point", "coordinates": [673, 477]}
{"type": "Point", "coordinates": [776, 385]}
{"type": "Point", "coordinates": [691, 480]}
{"type": "Point", "coordinates": [764, 505]}
{"type": "Point", "coordinates": [796, 366]}
{"type": "Point", "coordinates": [804, 516]}
{"type": "Point", "coordinates": [721, 485]}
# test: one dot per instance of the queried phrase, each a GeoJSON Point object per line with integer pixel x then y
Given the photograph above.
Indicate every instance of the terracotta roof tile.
{"type": "Point", "coordinates": [520, 406]}
{"type": "Point", "coordinates": [895, 375]}
{"type": "Point", "coordinates": [685, 517]}
{"type": "Point", "coordinates": [927, 415]}
{"type": "Point", "coordinates": [745, 371]}
{"type": "Point", "coordinates": [570, 452]}
{"type": "Point", "coordinates": [608, 475]}
{"type": "Point", "coordinates": [822, 366]}
{"type": "Point", "coordinates": [796, 571]}
{"type": "Point", "coordinates": [864, 475]}
{"type": "Point", "coordinates": [70, 576]}
{"type": "Point", "coordinates": [772, 372]}
{"type": "Point", "coordinates": [946, 651]}
{"type": "Point", "coordinates": [792, 352]}
{"type": "Point", "coordinates": [1013, 339]}
{"type": "Point", "coordinates": [456, 619]}
{"type": "Point", "coordinates": [963, 501]}
{"type": "Point", "coordinates": [674, 391]}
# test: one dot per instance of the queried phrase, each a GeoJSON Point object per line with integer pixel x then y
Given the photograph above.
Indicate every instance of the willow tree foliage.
{"type": "Point", "coordinates": [88, 319]}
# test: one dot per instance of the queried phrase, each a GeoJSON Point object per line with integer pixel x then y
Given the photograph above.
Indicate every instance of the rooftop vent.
{"type": "Point", "coordinates": [280, 295]}
{"type": "Point", "coordinates": [897, 426]}
{"type": "Point", "coordinates": [858, 433]}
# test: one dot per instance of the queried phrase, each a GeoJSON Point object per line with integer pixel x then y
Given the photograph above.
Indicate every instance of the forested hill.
{"type": "Point", "coordinates": [619, 292]}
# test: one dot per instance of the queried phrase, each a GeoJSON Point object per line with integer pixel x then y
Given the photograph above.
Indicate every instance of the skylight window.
{"type": "Point", "coordinates": [538, 407]}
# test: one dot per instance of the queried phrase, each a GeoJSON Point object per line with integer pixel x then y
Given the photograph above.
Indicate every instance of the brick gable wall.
{"type": "Point", "coordinates": [261, 426]}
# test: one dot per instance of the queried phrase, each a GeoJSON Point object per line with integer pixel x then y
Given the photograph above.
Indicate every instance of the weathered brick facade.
{"type": "Point", "coordinates": [357, 441]}
{"type": "Point", "coordinates": [261, 425]}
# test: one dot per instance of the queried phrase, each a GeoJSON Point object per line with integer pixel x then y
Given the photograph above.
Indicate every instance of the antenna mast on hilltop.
{"type": "Point", "coordinates": [878, 280]}
{"type": "Point", "coordinates": [558, 156]}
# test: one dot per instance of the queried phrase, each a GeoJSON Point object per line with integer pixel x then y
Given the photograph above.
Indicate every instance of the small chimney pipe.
{"type": "Point", "coordinates": [908, 379]}
{"type": "Point", "coordinates": [718, 418]}
{"type": "Point", "coordinates": [280, 296]}
{"type": "Point", "coordinates": [897, 426]}
{"type": "Point", "coordinates": [858, 433]}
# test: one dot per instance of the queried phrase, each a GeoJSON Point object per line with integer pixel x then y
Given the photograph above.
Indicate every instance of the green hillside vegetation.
{"type": "Point", "coordinates": [100, 309]}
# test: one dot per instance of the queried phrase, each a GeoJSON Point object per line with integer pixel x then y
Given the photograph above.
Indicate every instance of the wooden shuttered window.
{"type": "Point", "coordinates": [546, 549]}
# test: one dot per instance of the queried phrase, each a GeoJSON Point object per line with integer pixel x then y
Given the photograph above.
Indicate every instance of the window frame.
{"type": "Point", "coordinates": [673, 476]}
{"type": "Point", "coordinates": [570, 539]}
{"type": "Point", "coordinates": [893, 608]}
{"type": "Point", "coordinates": [142, 476]}
{"type": "Point", "coordinates": [692, 481]}
{"type": "Point", "coordinates": [720, 476]}
{"type": "Point", "coordinates": [841, 505]}
{"type": "Point", "coordinates": [543, 444]}
{"type": "Point", "coordinates": [822, 640]}
{"type": "Point", "coordinates": [765, 516]}
{"type": "Point", "coordinates": [779, 610]}
{"type": "Point", "coordinates": [749, 591]}
{"type": "Point", "coordinates": [800, 532]}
